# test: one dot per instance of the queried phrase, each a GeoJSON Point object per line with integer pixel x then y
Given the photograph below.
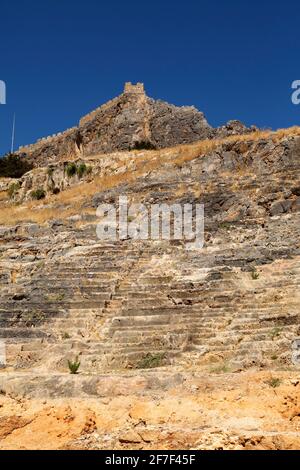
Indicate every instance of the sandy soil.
{"type": "Point", "coordinates": [249, 410]}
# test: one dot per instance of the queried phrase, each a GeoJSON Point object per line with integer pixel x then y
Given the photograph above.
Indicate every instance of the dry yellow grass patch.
{"type": "Point", "coordinates": [11, 214]}
{"type": "Point", "coordinates": [139, 165]}
{"type": "Point", "coordinates": [3, 196]}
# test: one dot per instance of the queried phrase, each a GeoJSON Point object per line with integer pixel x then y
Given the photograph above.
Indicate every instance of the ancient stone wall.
{"type": "Point", "coordinates": [128, 88]}
{"type": "Point", "coordinates": [50, 139]}
{"type": "Point", "coordinates": [90, 116]}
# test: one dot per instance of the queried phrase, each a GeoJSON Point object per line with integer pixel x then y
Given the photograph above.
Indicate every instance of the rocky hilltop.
{"type": "Point", "coordinates": [174, 345]}
{"type": "Point", "coordinates": [129, 121]}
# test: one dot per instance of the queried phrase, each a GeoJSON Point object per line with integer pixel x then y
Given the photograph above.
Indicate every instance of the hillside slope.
{"type": "Point", "coordinates": [130, 120]}
{"type": "Point", "coordinates": [236, 300]}
{"type": "Point", "coordinates": [124, 306]}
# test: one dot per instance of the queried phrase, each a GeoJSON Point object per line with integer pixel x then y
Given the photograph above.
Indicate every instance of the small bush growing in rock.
{"type": "Point", "coordinates": [275, 332]}
{"type": "Point", "coordinates": [66, 336]}
{"type": "Point", "coordinates": [81, 169]}
{"type": "Point", "coordinates": [254, 274]}
{"type": "Point", "coordinates": [273, 382]}
{"type": "Point", "coordinates": [71, 169]}
{"type": "Point", "coordinates": [74, 366]}
{"type": "Point", "coordinates": [55, 190]}
{"type": "Point", "coordinates": [38, 194]}
{"type": "Point", "coordinates": [222, 368]}
{"type": "Point", "coordinates": [151, 360]}
{"type": "Point", "coordinates": [13, 188]}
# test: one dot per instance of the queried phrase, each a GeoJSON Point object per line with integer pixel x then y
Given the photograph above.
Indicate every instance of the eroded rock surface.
{"type": "Point", "coordinates": [129, 119]}
{"type": "Point", "coordinates": [204, 321]}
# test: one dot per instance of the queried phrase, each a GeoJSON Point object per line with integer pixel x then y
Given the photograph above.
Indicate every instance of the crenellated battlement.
{"type": "Point", "coordinates": [136, 89]}
{"type": "Point", "coordinates": [90, 116]}
{"type": "Point", "coordinates": [45, 140]}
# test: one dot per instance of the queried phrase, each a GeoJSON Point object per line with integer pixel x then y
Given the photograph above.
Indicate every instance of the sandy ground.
{"type": "Point", "coordinates": [249, 410]}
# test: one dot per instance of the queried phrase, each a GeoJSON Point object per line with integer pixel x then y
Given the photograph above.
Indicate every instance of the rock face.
{"type": "Point", "coordinates": [184, 410]}
{"type": "Point", "coordinates": [121, 307]}
{"type": "Point", "coordinates": [128, 304]}
{"type": "Point", "coordinates": [233, 127]}
{"type": "Point", "coordinates": [129, 119]}
{"type": "Point", "coordinates": [136, 118]}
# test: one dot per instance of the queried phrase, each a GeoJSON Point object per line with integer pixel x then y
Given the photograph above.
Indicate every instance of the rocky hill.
{"type": "Point", "coordinates": [128, 121]}
{"type": "Point", "coordinates": [149, 321]}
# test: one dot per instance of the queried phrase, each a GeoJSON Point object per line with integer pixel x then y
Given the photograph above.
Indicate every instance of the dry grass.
{"type": "Point", "coordinates": [11, 214]}
{"type": "Point", "coordinates": [129, 166]}
{"type": "Point", "coordinates": [3, 196]}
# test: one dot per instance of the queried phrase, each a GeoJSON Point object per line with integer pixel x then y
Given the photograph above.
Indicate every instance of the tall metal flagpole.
{"type": "Point", "coordinates": [13, 134]}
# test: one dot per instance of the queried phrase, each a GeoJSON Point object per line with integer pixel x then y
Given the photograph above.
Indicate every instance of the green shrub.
{"type": "Point", "coordinates": [254, 274]}
{"type": "Point", "coordinates": [144, 145]}
{"type": "Point", "coordinates": [151, 360]}
{"type": "Point", "coordinates": [14, 166]}
{"type": "Point", "coordinates": [273, 382]}
{"type": "Point", "coordinates": [221, 368]}
{"type": "Point", "coordinates": [71, 169]}
{"type": "Point", "coordinates": [13, 188]}
{"type": "Point", "coordinates": [74, 366]}
{"type": "Point", "coordinates": [81, 169]}
{"type": "Point", "coordinates": [66, 336]}
{"type": "Point", "coordinates": [38, 194]}
{"type": "Point", "coordinates": [275, 332]}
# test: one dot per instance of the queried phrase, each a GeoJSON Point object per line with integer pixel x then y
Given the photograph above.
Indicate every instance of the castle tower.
{"type": "Point", "coordinates": [137, 89]}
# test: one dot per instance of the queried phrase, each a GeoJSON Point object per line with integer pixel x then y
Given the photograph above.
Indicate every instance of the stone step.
{"type": "Point", "coordinates": [85, 283]}
{"type": "Point", "coordinates": [73, 274]}
{"type": "Point", "coordinates": [128, 323]}
{"type": "Point", "coordinates": [22, 333]}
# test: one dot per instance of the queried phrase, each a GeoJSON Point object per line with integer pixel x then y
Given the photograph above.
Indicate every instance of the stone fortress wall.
{"type": "Point", "coordinates": [90, 116]}
{"type": "Point", "coordinates": [54, 139]}
{"type": "Point", "coordinates": [128, 88]}
{"type": "Point", "coordinates": [45, 140]}
{"type": "Point", "coordinates": [123, 121]}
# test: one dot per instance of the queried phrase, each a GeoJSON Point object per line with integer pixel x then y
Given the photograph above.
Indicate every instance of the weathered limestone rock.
{"type": "Point", "coordinates": [129, 119]}
{"type": "Point", "coordinates": [127, 304]}
{"type": "Point", "coordinates": [233, 127]}
{"type": "Point", "coordinates": [6, 182]}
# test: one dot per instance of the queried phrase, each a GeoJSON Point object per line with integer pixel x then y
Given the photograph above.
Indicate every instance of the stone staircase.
{"type": "Point", "coordinates": [233, 305]}
{"type": "Point", "coordinates": [114, 304]}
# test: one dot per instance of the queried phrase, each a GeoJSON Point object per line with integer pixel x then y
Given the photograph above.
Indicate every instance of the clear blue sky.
{"type": "Point", "coordinates": [232, 59]}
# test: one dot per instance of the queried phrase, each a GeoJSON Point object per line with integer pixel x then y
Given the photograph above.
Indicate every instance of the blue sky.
{"type": "Point", "coordinates": [231, 59]}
